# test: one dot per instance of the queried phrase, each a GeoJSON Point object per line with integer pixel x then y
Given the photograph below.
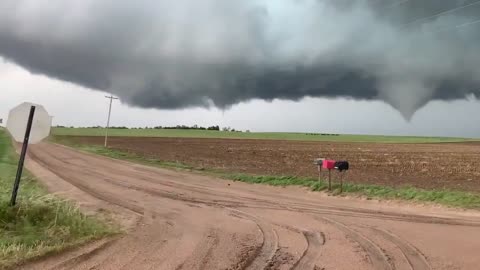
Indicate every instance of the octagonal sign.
{"type": "Point", "coordinates": [18, 118]}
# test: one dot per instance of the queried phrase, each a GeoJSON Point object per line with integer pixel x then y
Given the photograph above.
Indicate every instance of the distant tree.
{"type": "Point", "coordinates": [194, 127]}
{"type": "Point", "coordinates": [217, 128]}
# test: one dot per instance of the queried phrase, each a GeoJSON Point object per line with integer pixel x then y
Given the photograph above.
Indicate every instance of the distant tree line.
{"type": "Point", "coordinates": [194, 127]}
{"type": "Point", "coordinates": [322, 134]}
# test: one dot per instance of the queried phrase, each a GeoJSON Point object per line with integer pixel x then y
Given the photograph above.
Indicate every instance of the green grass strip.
{"type": "Point", "coordinates": [40, 223]}
{"type": "Point", "coordinates": [443, 197]}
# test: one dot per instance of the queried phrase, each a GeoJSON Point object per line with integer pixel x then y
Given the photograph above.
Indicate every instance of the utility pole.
{"type": "Point", "coordinates": [108, 120]}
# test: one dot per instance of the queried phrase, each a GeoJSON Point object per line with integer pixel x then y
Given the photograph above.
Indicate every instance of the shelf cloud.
{"type": "Point", "coordinates": [190, 53]}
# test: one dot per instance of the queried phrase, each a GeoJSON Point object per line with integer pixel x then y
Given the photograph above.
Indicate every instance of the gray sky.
{"type": "Point", "coordinates": [75, 105]}
{"type": "Point", "coordinates": [265, 65]}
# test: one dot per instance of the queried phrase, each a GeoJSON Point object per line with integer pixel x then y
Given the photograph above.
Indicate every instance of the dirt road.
{"type": "Point", "coordinates": [183, 221]}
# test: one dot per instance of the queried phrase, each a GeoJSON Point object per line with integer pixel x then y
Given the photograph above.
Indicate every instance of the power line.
{"type": "Point", "coordinates": [391, 5]}
{"type": "Point", "coordinates": [400, 2]}
{"type": "Point", "coordinates": [457, 26]}
{"type": "Point", "coordinates": [108, 120]}
{"type": "Point", "coordinates": [442, 13]}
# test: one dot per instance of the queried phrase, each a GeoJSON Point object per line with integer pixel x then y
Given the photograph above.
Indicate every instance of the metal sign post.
{"type": "Point", "coordinates": [21, 162]}
{"type": "Point", "coordinates": [319, 163]}
{"type": "Point", "coordinates": [329, 179]}
{"type": "Point", "coordinates": [342, 174]}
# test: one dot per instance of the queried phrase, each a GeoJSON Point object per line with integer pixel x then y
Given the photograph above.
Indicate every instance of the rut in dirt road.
{"type": "Point", "coordinates": [187, 221]}
{"type": "Point", "coordinates": [266, 252]}
{"type": "Point", "coordinates": [377, 256]}
{"type": "Point", "coordinates": [415, 258]}
{"type": "Point", "coordinates": [315, 241]}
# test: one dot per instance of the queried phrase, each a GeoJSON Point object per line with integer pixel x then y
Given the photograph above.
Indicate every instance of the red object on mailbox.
{"type": "Point", "coordinates": [328, 164]}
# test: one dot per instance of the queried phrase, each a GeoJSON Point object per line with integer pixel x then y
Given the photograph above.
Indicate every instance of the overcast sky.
{"type": "Point", "coordinates": [77, 106]}
{"type": "Point", "coordinates": [365, 67]}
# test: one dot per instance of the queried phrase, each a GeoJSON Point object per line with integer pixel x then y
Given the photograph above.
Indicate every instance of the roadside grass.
{"type": "Point", "coordinates": [449, 198]}
{"type": "Point", "coordinates": [181, 133]}
{"type": "Point", "coordinates": [444, 197]}
{"type": "Point", "coordinates": [40, 223]}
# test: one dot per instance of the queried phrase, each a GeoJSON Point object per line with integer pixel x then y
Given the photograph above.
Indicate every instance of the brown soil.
{"type": "Point", "coordinates": [451, 166]}
{"type": "Point", "coordinates": [184, 221]}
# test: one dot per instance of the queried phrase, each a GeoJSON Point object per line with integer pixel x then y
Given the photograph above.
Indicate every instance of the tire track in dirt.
{"type": "Point", "coordinates": [203, 252]}
{"type": "Point", "coordinates": [94, 192]}
{"type": "Point", "coordinates": [148, 244]}
{"type": "Point", "coordinates": [366, 213]}
{"type": "Point", "coordinates": [378, 258]}
{"type": "Point", "coordinates": [283, 257]}
{"type": "Point", "coordinates": [123, 184]}
{"type": "Point", "coordinates": [415, 258]}
{"type": "Point", "coordinates": [308, 260]}
{"type": "Point", "coordinates": [209, 244]}
{"type": "Point", "coordinates": [72, 262]}
{"type": "Point", "coordinates": [266, 252]}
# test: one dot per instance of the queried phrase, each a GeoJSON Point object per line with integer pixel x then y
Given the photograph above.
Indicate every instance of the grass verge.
{"type": "Point", "coordinates": [443, 197]}
{"type": "Point", "coordinates": [40, 223]}
{"type": "Point", "coordinates": [449, 198]}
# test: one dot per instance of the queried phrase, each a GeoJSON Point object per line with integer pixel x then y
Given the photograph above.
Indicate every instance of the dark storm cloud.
{"type": "Point", "coordinates": [165, 54]}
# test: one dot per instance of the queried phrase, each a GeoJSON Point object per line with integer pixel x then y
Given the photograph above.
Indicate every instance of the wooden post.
{"type": "Point", "coordinates": [341, 182]}
{"type": "Point", "coordinates": [329, 179]}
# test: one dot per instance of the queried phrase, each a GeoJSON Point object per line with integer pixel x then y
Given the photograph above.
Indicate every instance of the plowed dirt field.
{"type": "Point", "coordinates": [437, 165]}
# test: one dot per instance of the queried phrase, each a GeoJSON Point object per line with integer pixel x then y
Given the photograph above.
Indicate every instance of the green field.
{"type": "Point", "coordinates": [40, 223]}
{"type": "Point", "coordinates": [250, 135]}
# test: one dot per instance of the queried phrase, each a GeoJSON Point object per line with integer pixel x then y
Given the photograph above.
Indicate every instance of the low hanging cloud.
{"type": "Point", "coordinates": [202, 53]}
